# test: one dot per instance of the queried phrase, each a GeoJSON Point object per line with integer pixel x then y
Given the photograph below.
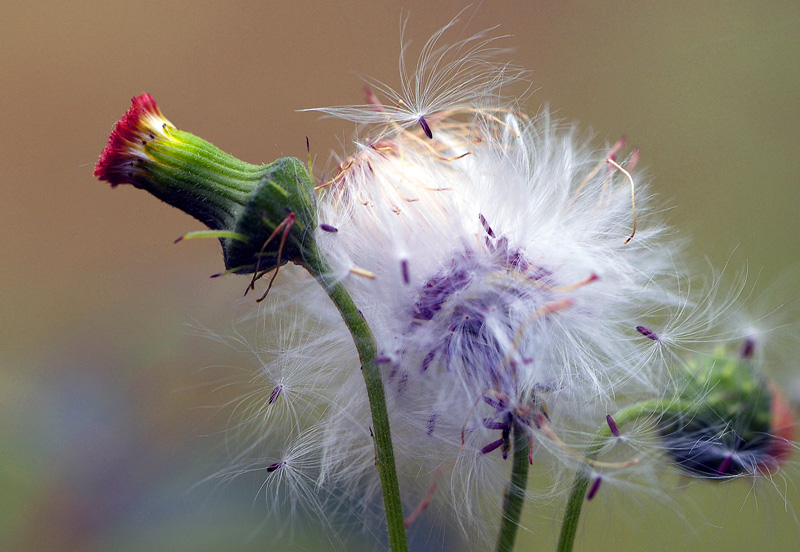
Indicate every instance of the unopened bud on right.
{"type": "Point", "coordinates": [732, 421]}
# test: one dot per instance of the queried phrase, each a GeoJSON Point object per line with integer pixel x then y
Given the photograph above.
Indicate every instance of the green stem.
{"type": "Point", "coordinates": [365, 344]}
{"type": "Point", "coordinates": [515, 492]}
{"type": "Point", "coordinates": [572, 513]}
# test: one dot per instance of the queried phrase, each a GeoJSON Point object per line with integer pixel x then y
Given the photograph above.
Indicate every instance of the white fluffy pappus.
{"type": "Point", "coordinates": [505, 267]}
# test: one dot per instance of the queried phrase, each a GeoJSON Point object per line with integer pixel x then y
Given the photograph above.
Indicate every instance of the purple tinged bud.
{"type": "Point", "coordinates": [328, 228]}
{"type": "Point", "coordinates": [492, 446]}
{"type": "Point", "coordinates": [594, 489]}
{"type": "Point", "coordinates": [648, 333]}
{"type": "Point", "coordinates": [425, 128]}
{"type": "Point", "coordinates": [612, 425]}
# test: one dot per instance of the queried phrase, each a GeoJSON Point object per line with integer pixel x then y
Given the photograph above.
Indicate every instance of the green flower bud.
{"type": "Point", "coordinates": [735, 422]}
{"type": "Point", "coordinates": [264, 215]}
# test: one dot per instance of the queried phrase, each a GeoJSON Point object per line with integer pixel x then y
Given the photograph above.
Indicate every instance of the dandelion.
{"type": "Point", "coordinates": [496, 276]}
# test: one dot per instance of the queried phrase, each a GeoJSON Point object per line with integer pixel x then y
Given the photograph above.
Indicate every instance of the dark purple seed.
{"type": "Point", "coordinates": [383, 360]}
{"type": "Point", "coordinates": [402, 384]}
{"type": "Point", "coordinates": [277, 465]}
{"type": "Point", "coordinates": [308, 145]}
{"type": "Point", "coordinates": [497, 405]}
{"type": "Point", "coordinates": [595, 488]}
{"type": "Point", "coordinates": [726, 463]}
{"type": "Point", "coordinates": [404, 269]}
{"type": "Point", "coordinates": [486, 226]}
{"type": "Point", "coordinates": [612, 425]}
{"type": "Point", "coordinates": [328, 228]}
{"type": "Point", "coordinates": [425, 128]}
{"type": "Point", "coordinates": [428, 359]}
{"type": "Point", "coordinates": [502, 246]}
{"type": "Point", "coordinates": [748, 348]}
{"type": "Point", "coordinates": [491, 446]}
{"type": "Point", "coordinates": [431, 423]}
{"type": "Point", "coordinates": [275, 394]}
{"type": "Point", "coordinates": [648, 333]}
{"type": "Point", "coordinates": [489, 424]}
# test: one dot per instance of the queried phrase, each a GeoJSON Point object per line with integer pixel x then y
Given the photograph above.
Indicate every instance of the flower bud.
{"type": "Point", "coordinates": [738, 423]}
{"type": "Point", "coordinates": [264, 214]}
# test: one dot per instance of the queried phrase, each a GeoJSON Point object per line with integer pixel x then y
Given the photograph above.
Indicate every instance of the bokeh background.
{"type": "Point", "coordinates": [111, 411]}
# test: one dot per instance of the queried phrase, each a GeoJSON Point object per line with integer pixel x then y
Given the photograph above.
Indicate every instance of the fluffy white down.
{"type": "Point", "coordinates": [491, 263]}
{"type": "Point", "coordinates": [489, 254]}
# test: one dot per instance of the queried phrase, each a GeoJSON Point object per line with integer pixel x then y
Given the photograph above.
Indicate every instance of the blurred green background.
{"type": "Point", "coordinates": [109, 417]}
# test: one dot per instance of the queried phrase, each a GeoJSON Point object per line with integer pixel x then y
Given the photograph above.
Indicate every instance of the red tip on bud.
{"type": "Point", "coordinates": [141, 123]}
{"type": "Point", "coordinates": [783, 426]}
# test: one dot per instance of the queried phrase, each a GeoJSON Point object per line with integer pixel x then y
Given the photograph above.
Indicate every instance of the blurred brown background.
{"type": "Point", "coordinates": [107, 417]}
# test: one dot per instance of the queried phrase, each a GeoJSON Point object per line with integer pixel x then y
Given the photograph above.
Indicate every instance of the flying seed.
{"type": "Point", "coordinates": [647, 332]}
{"type": "Point", "coordinates": [748, 348]}
{"type": "Point", "coordinates": [594, 489]}
{"type": "Point", "coordinates": [431, 423]}
{"type": "Point", "coordinates": [491, 446]}
{"type": "Point", "coordinates": [425, 128]}
{"type": "Point", "coordinates": [612, 425]}
{"type": "Point", "coordinates": [486, 226]}
{"type": "Point", "coordinates": [723, 468]}
{"type": "Point", "coordinates": [275, 394]}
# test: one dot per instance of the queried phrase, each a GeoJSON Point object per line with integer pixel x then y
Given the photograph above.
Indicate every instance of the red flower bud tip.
{"type": "Point", "coordinates": [783, 426]}
{"type": "Point", "coordinates": [119, 162]}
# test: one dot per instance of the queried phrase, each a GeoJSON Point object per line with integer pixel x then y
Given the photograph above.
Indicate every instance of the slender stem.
{"type": "Point", "coordinates": [515, 492]}
{"type": "Point", "coordinates": [572, 513]}
{"type": "Point", "coordinates": [365, 344]}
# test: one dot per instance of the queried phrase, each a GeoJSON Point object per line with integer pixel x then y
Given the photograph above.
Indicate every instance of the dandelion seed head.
{"type": "Point", "coordinates": [515, 279]}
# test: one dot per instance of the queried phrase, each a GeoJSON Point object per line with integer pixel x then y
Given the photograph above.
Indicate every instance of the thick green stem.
{"type": "Point", "coordinates": [515, 492]}
{"type": "Point", "coordinates": [365, 344]}
{"type": "Point", "coordinates": [572, 513]}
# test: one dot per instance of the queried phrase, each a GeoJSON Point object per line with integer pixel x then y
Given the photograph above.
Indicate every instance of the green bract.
{"type": "Point", "coordinates": [282, 204]}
